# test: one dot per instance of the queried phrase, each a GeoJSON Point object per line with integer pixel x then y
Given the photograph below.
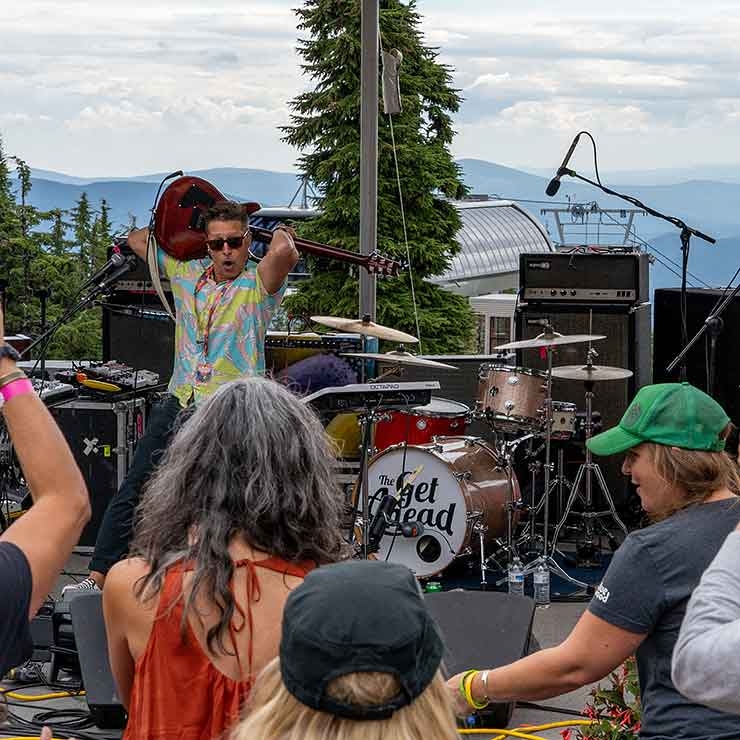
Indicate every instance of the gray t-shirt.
{"type": "Point", "coordinates": [705, 662]}
{"type": "Point", "coordinates": [645, 590]}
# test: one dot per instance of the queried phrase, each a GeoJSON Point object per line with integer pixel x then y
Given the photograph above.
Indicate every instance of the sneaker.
{"type": "Point", "coordinates": [75, 589]}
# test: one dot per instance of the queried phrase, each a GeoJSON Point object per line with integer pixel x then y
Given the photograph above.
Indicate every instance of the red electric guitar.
{"type": "Point", "coordinates": [179, 227]}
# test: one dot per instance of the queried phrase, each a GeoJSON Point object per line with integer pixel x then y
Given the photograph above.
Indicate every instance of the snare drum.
{"type": "Point", "coordinates": [563, 420]}
{"type": "Point", "coordinates": [455, 484]}
{"type": "Point", "coordinates": [439, 418]}
{"type": "Point", "coordinates": [512, 396]}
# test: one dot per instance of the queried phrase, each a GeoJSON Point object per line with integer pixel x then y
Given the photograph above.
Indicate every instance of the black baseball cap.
{"type": "Point", "coordinates": [355, 617]}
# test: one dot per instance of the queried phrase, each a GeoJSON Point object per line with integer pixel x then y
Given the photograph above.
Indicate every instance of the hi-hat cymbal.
{"type": "Point", "coordinates": [368, 328]}
{"type": "Point", "coordinates": [549, 340]}
{"type": "Point", "coordinates": [399, 358]}
{"type": "Point", "coordinates": [590, 372]}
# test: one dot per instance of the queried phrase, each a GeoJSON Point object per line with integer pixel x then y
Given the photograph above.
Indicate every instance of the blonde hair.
{"type": "Point", "coordinates": [275, 714]}
{"type": "Point", "coordinates": [696, 473]}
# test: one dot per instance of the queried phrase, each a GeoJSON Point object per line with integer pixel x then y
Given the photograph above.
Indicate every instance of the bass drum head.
{"type": "Point", "coordinates": [433, 497]}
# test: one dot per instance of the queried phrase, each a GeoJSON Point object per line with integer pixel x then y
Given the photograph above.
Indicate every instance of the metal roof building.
{"type": "Point", "coordinates": [493, 235]}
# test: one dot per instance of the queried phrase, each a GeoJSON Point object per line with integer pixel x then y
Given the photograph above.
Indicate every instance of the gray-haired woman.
{"type": "Point", "coordinates": [244, 504]}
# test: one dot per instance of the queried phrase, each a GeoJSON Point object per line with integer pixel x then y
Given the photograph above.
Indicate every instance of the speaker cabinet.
{"type": "Point", "coordinates": [667, 343]}
{"type": "Point", "coordinates": [105, 705]}
{"type": "Point", "coordinates": [625, 325]}
{"type": "Point", "coordinates": [102, 436]}
{"type": "Point", "coordinates": [138, 332]}
{"type": "Point", "coordinates": [483, 629]}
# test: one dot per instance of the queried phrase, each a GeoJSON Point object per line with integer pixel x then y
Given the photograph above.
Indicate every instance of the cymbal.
{"type": "Point", "coordinates": [399, 358]}
{"type": "Point", "coordinates": [590, 372]}
{"type": "Point", "coordinates": [549, 340]}
{"type": "Point", "coordinates": [368, 328]}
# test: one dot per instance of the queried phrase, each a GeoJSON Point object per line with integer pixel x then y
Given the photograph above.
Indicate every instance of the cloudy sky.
{"type": "Point", "coordinates": [122, 88]}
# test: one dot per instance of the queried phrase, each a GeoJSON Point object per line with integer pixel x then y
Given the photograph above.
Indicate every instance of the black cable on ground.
{"type": "Point", "coordinates": [36, 705]}
{"type": "Point", "coordinates": [69, 719]}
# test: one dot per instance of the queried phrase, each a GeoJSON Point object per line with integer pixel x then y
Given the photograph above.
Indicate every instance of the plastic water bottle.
{"type": "Point", "coordinates": [541, 585]}
{"type": "Point", "coordinates": [516, 576]}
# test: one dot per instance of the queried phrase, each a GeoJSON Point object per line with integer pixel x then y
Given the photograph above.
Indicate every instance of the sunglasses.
{"type": "Point", "coordinates": [234, 242]}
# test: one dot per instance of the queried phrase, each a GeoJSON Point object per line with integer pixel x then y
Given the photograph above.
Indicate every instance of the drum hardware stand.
{"type": "Point", "coordinates": [546, 558]}
{"type": "Point", "coordinates": [584, 474]}
{"type": "Point", "coordinates": [560, 482]}
{"type": "Point", "coordinates": [481, 529]}
{"type": "Point", "coordinates": [367, 421]}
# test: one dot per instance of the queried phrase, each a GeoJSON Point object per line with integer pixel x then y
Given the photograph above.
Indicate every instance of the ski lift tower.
{"type": "Point", "coordinates": [587, 224]}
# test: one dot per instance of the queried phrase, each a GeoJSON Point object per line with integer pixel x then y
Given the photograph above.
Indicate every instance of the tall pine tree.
{"type": "Point", "coordinates": [325, 127]}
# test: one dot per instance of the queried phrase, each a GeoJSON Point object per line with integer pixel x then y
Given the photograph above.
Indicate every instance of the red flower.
{"type": "Point", "coordinates": [566, 733]}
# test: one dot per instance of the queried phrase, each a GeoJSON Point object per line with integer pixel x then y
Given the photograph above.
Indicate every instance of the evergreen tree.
{"type": "Point", "coordinates": [56, 239]}
{"type": "Point", "coordinates": [16, 252]}
{"type": "Point", "coordinates": [101, 235]}
{"type": "Point", "coordinates": [82, 231]}
{"type": "Point", "coordinates": [31, 261]}
{"type": "Point", "coordinates": [325, 127]}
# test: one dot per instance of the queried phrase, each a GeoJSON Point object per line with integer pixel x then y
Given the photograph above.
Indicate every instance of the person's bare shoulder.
{"type": "Point", "coordinates": [123, 579]}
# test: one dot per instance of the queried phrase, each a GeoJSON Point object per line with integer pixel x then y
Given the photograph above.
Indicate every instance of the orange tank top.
{"type": "Point", "coordinates": [177, 693]}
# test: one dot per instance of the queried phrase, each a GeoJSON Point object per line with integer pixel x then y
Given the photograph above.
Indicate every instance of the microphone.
{"type": "Point", "coordinates": [638, 306]}
{"type": "Point", "coordinates": [129, 263]}
{"type": "Point", "coordinates": [380, 521]}
{"type": "Point", "coordinates": [171, 175]}
{"type": "Point", "coordinates": [554, 185]}
{"type": "Point", "coordinates": [116, 260]}
{"type": "Point", "coordinates": [411, 530]}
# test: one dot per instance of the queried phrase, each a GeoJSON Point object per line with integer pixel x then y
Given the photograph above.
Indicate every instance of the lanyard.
{"type": "Point", "coordinates": [208, 274]}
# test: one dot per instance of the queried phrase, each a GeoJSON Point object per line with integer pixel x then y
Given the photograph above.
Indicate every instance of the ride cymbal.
{"type": "Point", "coordinates": [549, 340]}
{"type": "Point", "coordinates": [368, 328]}
{"type": "Point", "coordinates": [399, 358]}
{"type": "Point", "coordinates": [590, 372]}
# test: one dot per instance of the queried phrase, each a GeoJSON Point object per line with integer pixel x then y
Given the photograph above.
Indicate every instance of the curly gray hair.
{"type": "Point", "coordinates": [251, 461]}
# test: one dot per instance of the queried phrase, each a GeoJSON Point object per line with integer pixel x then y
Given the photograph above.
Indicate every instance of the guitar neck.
{"type": "Point", "coordinates": [373, 263]}
{"type": "Point", "coordinates": [320, 250]}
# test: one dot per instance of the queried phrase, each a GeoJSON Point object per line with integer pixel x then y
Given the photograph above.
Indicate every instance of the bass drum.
{"type": "Point", "coordinates": [448, 487]}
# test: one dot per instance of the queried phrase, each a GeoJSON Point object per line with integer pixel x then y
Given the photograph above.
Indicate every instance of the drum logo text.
{"type": "Point", "coordinates": [417, 502]}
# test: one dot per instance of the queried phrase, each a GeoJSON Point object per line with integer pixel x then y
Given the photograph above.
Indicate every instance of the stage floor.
{"type": "Point", "coordinates": [551, 626]}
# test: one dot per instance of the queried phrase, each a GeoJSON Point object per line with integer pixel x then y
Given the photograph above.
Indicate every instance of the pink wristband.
{"type": "Point", "coordinates": [17, 387]}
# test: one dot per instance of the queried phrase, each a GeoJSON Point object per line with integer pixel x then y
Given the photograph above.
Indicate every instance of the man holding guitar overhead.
{"type": "Point", "coordinates": [223, 306]}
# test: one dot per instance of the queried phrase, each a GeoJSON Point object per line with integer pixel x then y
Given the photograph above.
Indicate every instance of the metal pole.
{"type": "Point", "coordinates": [368, 149]}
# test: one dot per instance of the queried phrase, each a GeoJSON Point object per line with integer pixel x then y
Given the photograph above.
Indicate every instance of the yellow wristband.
{"type": "Point", "coordinates": [461, 687]}
{"type": "Point", "coordinates": [468, 685]}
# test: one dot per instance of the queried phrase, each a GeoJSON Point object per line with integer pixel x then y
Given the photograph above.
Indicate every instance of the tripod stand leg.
{"type": "Point", "coordinates": [568, 506]}
{"type": "Point", "coordinates": [554, 566]}
{"type": "Point", "coordinates": [607, 496]}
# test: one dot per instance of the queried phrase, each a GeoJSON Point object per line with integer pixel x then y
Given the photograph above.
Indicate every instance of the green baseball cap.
{"type": "Point", "coordinates": [675, 414]}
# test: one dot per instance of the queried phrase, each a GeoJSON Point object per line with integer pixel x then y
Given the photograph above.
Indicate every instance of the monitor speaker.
{"type": "Point", "coordinates": [667, 343]}
{"type": "Point", "coordinates": [483, 629]}
{"type": "Point", "coordinates": [138, 332]}
{"type": "Point", "coordinates": [105, 706]}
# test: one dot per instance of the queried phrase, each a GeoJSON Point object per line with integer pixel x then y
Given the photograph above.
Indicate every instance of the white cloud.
{"type": "Point", "coordinates": [83, 81]}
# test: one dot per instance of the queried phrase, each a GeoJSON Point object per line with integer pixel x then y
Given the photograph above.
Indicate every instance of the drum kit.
{"type": "Point", "coordinates": [428, 494]}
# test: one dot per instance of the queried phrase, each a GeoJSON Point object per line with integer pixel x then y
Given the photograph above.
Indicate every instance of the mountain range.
{"type": "Point", "coordinates": [710, 205]}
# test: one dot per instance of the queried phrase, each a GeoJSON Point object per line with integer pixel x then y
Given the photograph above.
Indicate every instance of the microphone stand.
{"type": "Point", "coordinates": [67, 315]}
{"type": "Point", "coordinates": [686, 233]}
{"type": "Point", "coordinates": [43, 294]}
{"type": "Point", "coordinates": [713, 324]}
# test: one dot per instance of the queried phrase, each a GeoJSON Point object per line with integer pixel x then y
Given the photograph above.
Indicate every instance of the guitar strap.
{"type": "Point", "coordinates": [151, 256]}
